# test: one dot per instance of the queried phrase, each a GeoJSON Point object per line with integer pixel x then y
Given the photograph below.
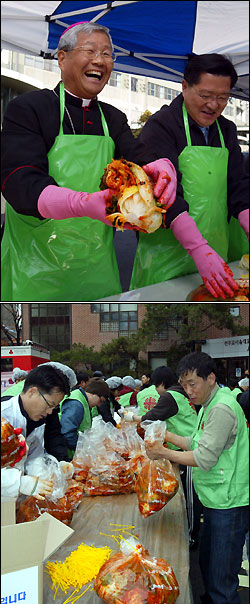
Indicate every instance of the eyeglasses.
{"type": "Point", "coordinates": [91, 53]}
{"type": "Point", "coordinates": [222, 98]}
{"type": "Point", "coordinates": [50, 405]}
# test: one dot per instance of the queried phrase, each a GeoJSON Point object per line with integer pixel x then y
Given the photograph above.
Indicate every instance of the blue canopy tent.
{"type": "Point", "coordinates": [150, 38]}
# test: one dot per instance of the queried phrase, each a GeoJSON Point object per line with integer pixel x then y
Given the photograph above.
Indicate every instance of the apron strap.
{"type": "Point", "coordinates": [62, 109]}
{"type": "Point", "coordinates": [104, 123]}
{"type": "Point", "coordinates": [187, 130]}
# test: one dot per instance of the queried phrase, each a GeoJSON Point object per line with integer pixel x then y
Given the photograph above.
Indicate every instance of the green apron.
{"type": "Point", "coordinates": [63, 260]}
{"type": "Point", "coordinates": [204, 180]}
{"type": "Point", "coordinates": [238, 241]}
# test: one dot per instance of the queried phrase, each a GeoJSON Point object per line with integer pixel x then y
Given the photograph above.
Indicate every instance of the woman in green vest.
{"type": "Point", "coordinates": [76, 410]}
{"type": "Point", "coordinates": [218, 451]}
{"type": "Point", "coordinates": [127, 395]}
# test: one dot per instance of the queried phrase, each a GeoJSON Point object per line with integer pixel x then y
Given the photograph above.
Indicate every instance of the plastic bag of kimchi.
{"type": "Point", "coordinates": [109, 475]}
{"type": "Point", "coordinates": [31, 508]}
{"type": "Point", "coordinates": [132, 576]}
{"type": "Point", "coordinates": [156, 483]}
{"type": "Point", "coordinates": [10, 444]}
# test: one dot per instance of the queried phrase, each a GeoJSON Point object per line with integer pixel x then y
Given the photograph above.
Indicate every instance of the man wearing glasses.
{"type": "Point", "coordinates": [57, 144]}
{"type": "Point", "coordinates": [43, 390]}
{"type": "Point", "coordinates": [212, 185]}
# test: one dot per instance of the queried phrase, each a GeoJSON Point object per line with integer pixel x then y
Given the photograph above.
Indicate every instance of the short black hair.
{"type": "Point", "coordinates": [165, 375]}
{"type": "Point", "coordinates": [209, 63]}
{"type": "Point", "coordinates": [148, 375]}
{"type": "Point", "coordinates": [82, 376]}
{"type": "Point", "coordinates": [47, 378]}
{"type": "Point", "coordinates": [200, 362]}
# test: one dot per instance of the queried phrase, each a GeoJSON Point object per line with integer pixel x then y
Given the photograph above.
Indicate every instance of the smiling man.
{"type": "Point", "coordinates": [212, 184]}
{"type": "Point", "coordinates": [218, 450]}
{"type": "Point", "coordinates": [57, 144]}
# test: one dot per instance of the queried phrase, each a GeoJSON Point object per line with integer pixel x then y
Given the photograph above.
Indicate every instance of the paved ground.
{"type": "Point", "coordinates": [197, 583]}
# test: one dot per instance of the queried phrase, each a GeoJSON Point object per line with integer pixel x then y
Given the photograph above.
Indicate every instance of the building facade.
{"type": "Point", "coordinates": [59, 326]}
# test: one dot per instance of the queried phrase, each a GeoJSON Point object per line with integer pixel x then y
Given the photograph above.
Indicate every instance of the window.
{"type": "Point", "coordinates": [134, 84]}
{"type": "Point", "coordinates": [6, 365]}
{"type": "Point", "coordinates": [50, 325]}
{"type": "Point", "coordinates": [160, 92]}
{"type": "Point", "coordinates": [115, 79]}
{"type": "Point", "coordinates": [121, 318]}
{"type": "Point", "coordinates": [151, 89]}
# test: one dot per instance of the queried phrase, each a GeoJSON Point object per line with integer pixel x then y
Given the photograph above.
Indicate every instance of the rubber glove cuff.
{"type": "Point", "coordinates": [60, 202]}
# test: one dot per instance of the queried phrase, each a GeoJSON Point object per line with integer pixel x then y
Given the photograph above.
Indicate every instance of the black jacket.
{"type": "Point", "coordinates": [30, 125]}
{"type": "Point", "coordinates": [166, 406]}
{"type": "Point", "coordinates": [164, 136]}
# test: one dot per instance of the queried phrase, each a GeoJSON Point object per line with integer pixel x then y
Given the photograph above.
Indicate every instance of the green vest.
{"type": "Point", "coordinates": [236, 391]}
{"type": "Point", "coordinates": [226, 484]}
{"type": "Point", "coordinates": [124, 399]}
{"type": "Point", "coordinates": [87, 417]}
{"type": "Point", "coordinates": [185, 420]}
{"type": "Point", "coordinates": [146, 399]}
{"type": "Point", "coordinates": [14, 389]}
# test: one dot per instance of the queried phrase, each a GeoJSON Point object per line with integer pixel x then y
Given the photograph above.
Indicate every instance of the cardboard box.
{"type": "Point", "coordinates": [24, 548]}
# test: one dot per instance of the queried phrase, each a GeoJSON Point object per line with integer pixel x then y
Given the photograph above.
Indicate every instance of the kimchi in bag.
{"type": "Point", "coordinates": [132, 576]}
{"type": "Point", "coordinates": [156, 483]}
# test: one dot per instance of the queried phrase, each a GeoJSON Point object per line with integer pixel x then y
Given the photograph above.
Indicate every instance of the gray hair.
{"type": "Point", "coordinates": [69, 39]}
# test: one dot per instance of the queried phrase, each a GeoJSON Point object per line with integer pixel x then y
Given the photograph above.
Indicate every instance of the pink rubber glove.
{"type": "Point", "coordinates": [215, 273]}
{"type": "Point", "coordinates": [243, 218]}
{"type": "Point", "coordinates": [163, 173]}
{"type": "Point", "coordinates": [59, 203]}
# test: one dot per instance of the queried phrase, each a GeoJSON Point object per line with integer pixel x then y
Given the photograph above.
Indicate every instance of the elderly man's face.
{"type": "Point", "coordinates": [83, 76]}
{"type": "Point", "coordinates": [206, 100]}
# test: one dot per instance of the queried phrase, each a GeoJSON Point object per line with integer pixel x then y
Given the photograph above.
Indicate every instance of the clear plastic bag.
{"type": "Point", "coordinates": [132, 576]}
{"type": "Point", "coordinates": [156, 483]}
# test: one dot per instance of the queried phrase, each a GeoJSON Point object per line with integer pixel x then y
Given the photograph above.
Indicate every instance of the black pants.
{"type": "Point", "coordinates": [193, 505]}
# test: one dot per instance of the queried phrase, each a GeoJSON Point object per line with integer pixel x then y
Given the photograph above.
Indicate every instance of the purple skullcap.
{"type": "Point", "coordinates": [74, 24]}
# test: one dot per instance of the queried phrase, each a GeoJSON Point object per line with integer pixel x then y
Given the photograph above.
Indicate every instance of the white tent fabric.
{"type": "Point", "coordinates": [150, 38]}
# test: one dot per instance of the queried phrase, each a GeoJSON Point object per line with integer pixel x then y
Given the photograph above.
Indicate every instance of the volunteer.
{"type": "Point", "coordinates": [127, 395]}
{"type": "Point", "coordinates": [218, 452]}
{"type": "Point", "coordinates": [172, 405]}
{"type": "Point", "coordinates": [57, 243]}
{"type": "Point", "coordinates": [44, 388]}
{"type": "Point", "coordinates": [212, 183]}
{"type": "Point", "coordinates": [107, 408]}
{"type": "Point", "coordinates": [54, 442]}
{"type": "Point", "coordinates": [78, 409]}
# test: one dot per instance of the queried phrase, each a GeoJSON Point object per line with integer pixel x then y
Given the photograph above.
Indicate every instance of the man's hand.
{"type": "Point", "coordinates": [216, 275]}
{"type": "Point", "coordinates": [163, 174]}
{"type": "Point", "coordinates": [156, 451]}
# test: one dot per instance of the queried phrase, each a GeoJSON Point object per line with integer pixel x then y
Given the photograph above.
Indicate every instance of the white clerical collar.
{"type": "Point", "coordinates": [85, 102]}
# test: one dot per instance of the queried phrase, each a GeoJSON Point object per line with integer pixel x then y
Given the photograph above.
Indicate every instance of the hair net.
{"type": "Point", "coordinates": [244, 383]}
{"type": "Point", "coordinates": [19, 374]}
{"type": "Point", "coordinates": [70, 374]}
{"type": "Point", "coordinates": [128, 381]}
{"type": "Point", "coordinates": [138, 383]}
{"type": "Point", "coordinates": [114, 382]}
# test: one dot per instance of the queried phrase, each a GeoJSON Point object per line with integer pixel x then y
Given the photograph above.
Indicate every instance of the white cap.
{"type": "Point", "coordinates": [19, 374]}
{"type": "Point", "coordinates": [70, 374]}
{"type": "Point", "coordinates": [244, 383]}
{"type": "Point", "coordinates": [129, 381]}
{"type": "Point", "coordinates": [138, 382]}
{"type": "Point", "coordinates": [114, 382]}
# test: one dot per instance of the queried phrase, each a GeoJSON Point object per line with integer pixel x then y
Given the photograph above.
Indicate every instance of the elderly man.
{"type": "Point", "coordinates": [212, 183]}
{"type": "Point", "coordinates": [218, 451]}
{"type": "Point", "coordinates": [56, 145]}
